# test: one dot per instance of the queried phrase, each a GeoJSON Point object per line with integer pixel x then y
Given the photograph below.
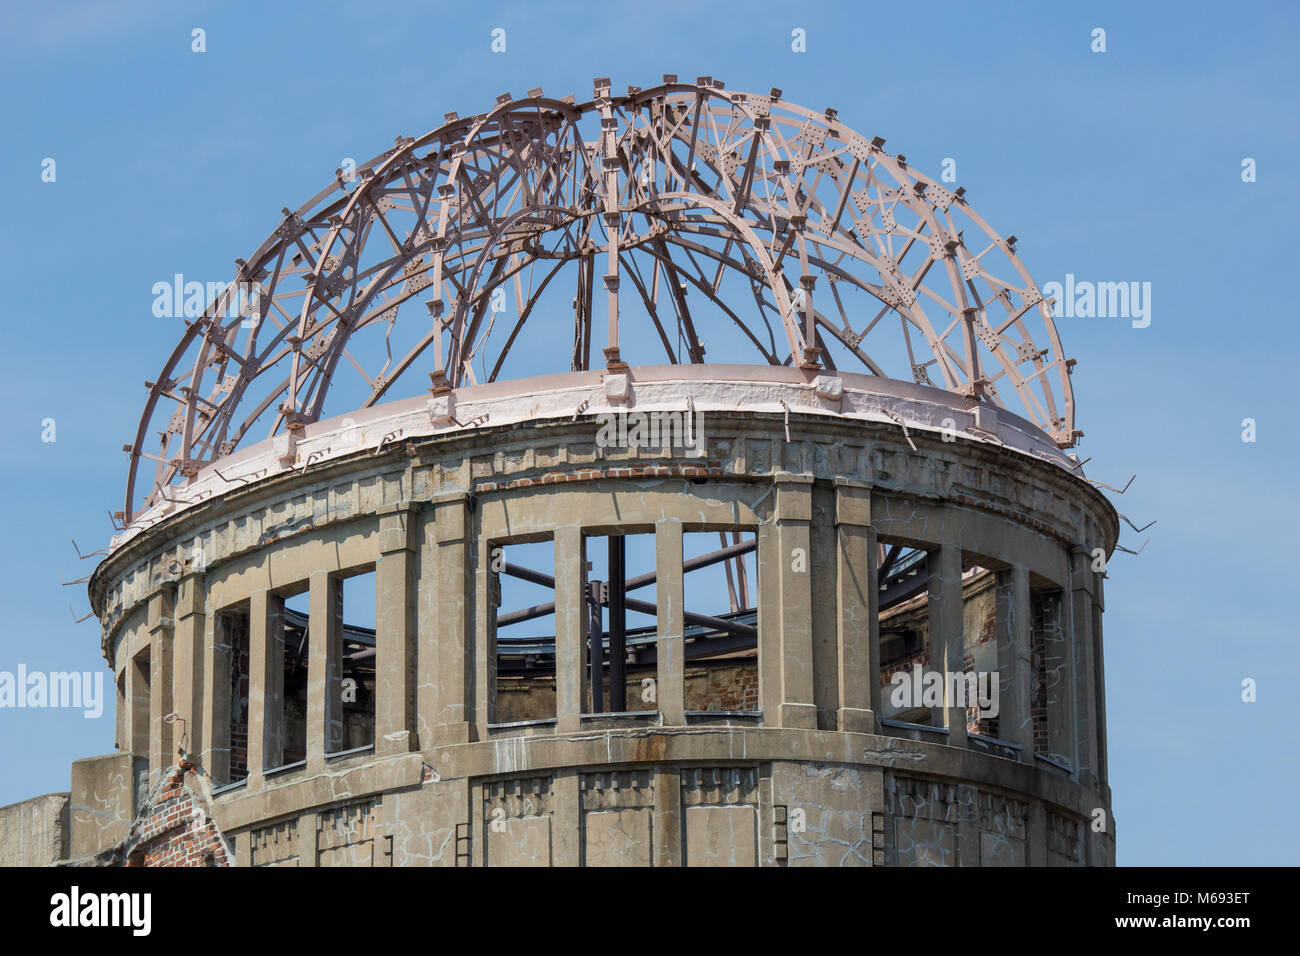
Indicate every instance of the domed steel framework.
{"type": "Point", "coordinates": [679, 187]}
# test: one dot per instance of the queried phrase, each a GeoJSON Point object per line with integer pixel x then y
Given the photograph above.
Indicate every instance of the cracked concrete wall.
{"type": "Point", "coordinates": [103, 801]}
{"type": "Point", "coordinates": [430, 824]}
{"type": "Point", "coordinates": [833, 813]}
{"type": "Point", "coordinates": [34, 832]}
{"type": "Point", "coordinates": [935, 822]}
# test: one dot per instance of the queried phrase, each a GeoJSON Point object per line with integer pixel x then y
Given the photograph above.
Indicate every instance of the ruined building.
{"type": "Point", "coordinates": [827, 593]}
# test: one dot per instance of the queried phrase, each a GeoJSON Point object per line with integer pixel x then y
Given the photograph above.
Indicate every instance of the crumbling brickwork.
{"type": "Point", "coordinates": [175, 828]}
{"type": "Point", "coordinates": [723, 688]}
{"type": "Point", "coordinates": [726, 686]}
{"type": "Point", "coordinates": [979, 639]}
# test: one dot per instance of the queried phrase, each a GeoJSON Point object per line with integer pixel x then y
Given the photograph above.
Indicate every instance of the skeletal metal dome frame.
{"type": "Point", "coordinates": [681, 184]}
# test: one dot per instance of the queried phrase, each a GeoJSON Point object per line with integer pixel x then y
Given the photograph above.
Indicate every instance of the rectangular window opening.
{"type": "Point", "coordinates": [235, 624]}
{"type": "Point", "coordinates": [521, 623]}
{"type": "Point", "coordinates": [621, 623]}
{"type": "Point", "coordinates": [720, 590]}
{"type": "Point", "coordinates": [357, 683]}
{"type": "Point", "coordinates": [903, 619]}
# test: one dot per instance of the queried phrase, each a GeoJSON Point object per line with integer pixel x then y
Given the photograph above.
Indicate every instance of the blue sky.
{"type": "Point", "coordinates": [1116, 166]}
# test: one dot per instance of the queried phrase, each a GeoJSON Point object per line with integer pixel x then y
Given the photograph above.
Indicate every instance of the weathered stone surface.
{"type": "Point", "coordinates": [103, 801]}
{"type": "Point", "coordinates": [34, 832]}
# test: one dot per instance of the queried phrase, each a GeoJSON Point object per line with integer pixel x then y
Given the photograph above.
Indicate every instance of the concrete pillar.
{"type": "Point", "coordinates": [324, 670]}
{"type": "Point", "coordinates": [187, 662]}
{"type": "Point", "coordinates": [857, 598]}
{"type": "Point", "coordinates": [1058, 661]}
{"type": "Point", "coordinates": [947, 652]}
{"type": "Point", "coordinates": [487, 597]}
{"type": "Point", "coordinates": [670, 601]}
{"type": "Point", "coordinates": [162, 753]}
{"type": "Point", "coordinates": [308, 839]}
{"type": "Point", "coordinates": [570, 650]}
{"type": "Point", "coordinates": [215, 755]}
{"type": "Point", "coordinates": [767, 824]}
{"type": "Point", "coordinates": [797, 707]}
{"type": "Point", "coordinates": [1101, 846]}
{"type": "Point", "coordinates": [1036, 851]}
{"type": "Point", "coordinates": [766, 598]}
{"type": "Point", "coordinates": [968, 824]}
{"type": "Point", "coordinates": [265, 684]}
{"type": "Point", "coordinates": [447, 649]}
{"type": "Point", "coordinates": [566, 820]}
{"type": "Point", "coordinates": [395, 632]}
{"type": "Point", "coordinates": [1015, 661]}
{"type": "Point", "coordinates": [1099, 673]}
{"type": "Point", "coordinates": [477, 827]}
{"type": "Point", "coordinates": [666, 826]}
{"type": "Point", "coordinates": [1082, 673]}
